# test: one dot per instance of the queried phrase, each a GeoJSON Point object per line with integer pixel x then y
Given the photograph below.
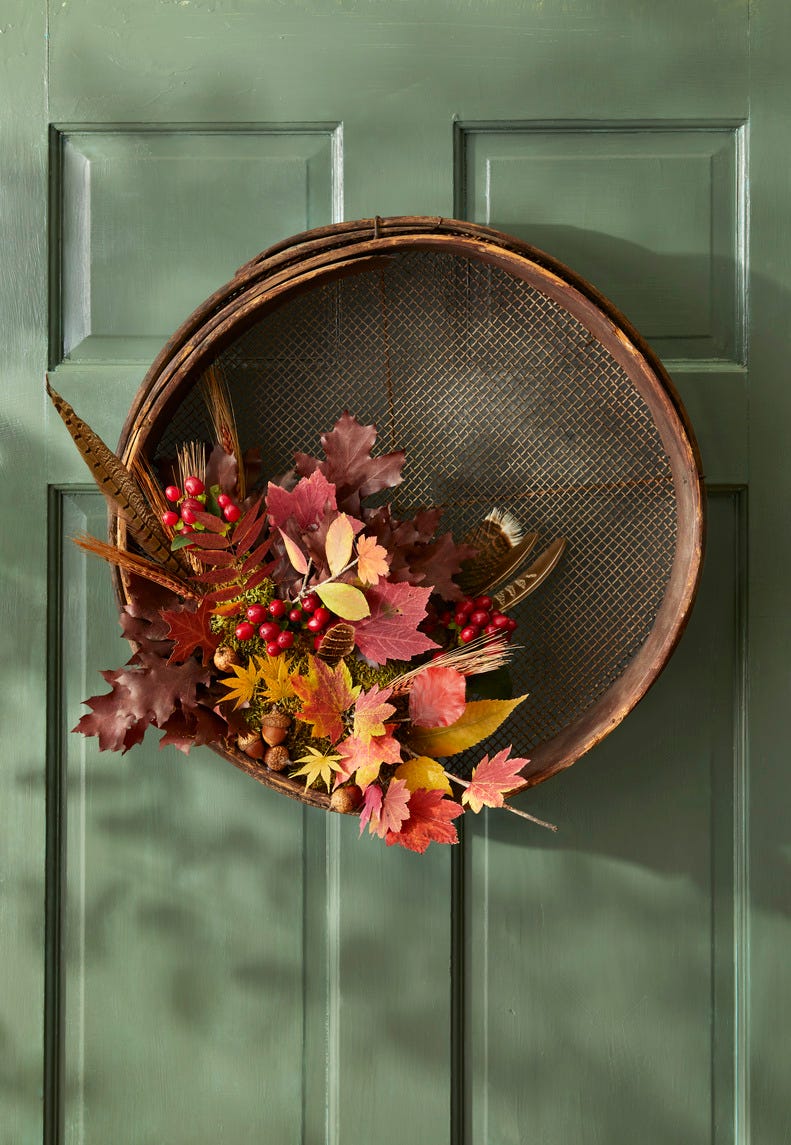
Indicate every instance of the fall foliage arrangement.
{"type": "Point", "coordinates": [320, 635]}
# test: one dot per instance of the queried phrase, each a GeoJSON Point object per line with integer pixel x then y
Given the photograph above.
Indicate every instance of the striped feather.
{"type": "Point", "coordinates": [218, 403]}
{"type": "Point", "coordinates": [138, 566]}
{"type": "Point", "coordinates": [527, 583]}
{"type": "Point", "coordinates": [117, 483]}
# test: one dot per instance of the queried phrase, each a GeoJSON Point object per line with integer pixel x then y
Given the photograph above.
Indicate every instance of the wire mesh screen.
{"type": "Point", "coordinates": [501, 398]}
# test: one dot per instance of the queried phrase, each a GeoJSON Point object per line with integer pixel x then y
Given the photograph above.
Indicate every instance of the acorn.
{"type": "Point", "coordinates": [346, 799]}
{"type": "Point", "coordinates": [251, 744]}
{"type": "Point", "coordinates": [225, 658]}
{"type": "Point", "coordinates": [274, 727]}
{"type": "Point", "coordinates": [276, 758]}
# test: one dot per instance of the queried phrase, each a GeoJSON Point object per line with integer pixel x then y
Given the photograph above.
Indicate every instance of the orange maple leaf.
{"type": "Point", "coordinates": [371, 712]}
{"type": "Point", "coordinates": [372, 562]}
{"type": "Point", "coordinates": [326, 693]}
{"type": "Point", "coordinates": [366, 758]}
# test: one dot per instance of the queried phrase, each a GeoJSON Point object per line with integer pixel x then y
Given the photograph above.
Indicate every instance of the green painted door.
{"type": "Point", "coordinates": [199, 960]}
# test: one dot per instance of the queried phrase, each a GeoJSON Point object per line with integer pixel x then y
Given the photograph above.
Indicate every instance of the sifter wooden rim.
{"type": "Point", "coordinates": [315, 257]}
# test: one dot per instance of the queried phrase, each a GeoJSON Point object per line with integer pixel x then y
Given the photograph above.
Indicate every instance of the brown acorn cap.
{"type": "Point", "coordinates": [251, 744]}
{"type": "Point", "coordinates": [277, 758]}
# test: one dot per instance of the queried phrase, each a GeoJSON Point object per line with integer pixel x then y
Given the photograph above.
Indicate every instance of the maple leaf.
{"type": "Point", "coordinates": [478, 720]}
{"type": "Point", "coordinates": [371, 713]}
{"type": "Point", "coordinates": [437, 697]}
{"type": "Point", "coordinates": [241, 686]}
{"type": "Point", "coordinates": [349, 465]}
{"type": "Point", "coordinates": [492, 778]}
{"type": "Point", "coordinates": [393, 810]}
{"type": "Point", "coordinates": [372, 805]}
{"type": "Point", "coordinates": [391, 631]}
{"type": "Point", "coordinates": [372, 562]}
{"type": "Point", "coordinates": [364, 760]}
{"type": "Point", "coordinates": [430, 821]}
{"type": "Point", "coordinates": [326, 693]}
{"type": "Point", "coordinates": [275, 672]}
{"type": "Point", "coordinates": [423, 772]}
{"type": "Point", "coordinates": [318, 764]}
{"type": "Point", "coordinates": [306, 503]}
{"type": "Point", "coordinates": [190, 628]}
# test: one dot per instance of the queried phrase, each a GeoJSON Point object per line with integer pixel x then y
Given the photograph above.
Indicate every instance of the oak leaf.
{"type": "Point", "coordinates": [479, 719]}
{"type": "Point", "coordinates": [430, 820]}
{"type": "Point", "coordinates": [112, 719]}
{"type": "Point", "coordinates": [391, 631]}
{"type": "Point", "coordinates": [190, 728]}
{"type": "Point", "coordinates": [350, 466]}
{"type": "Point", "coordinates": [437, 697]}
{"type": "Point", "coordinates": [326, 693]}
{"type": "Point", "coordinates": [492, 779]}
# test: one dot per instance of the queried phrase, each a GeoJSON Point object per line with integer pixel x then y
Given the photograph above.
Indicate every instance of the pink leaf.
{"type": "Point", "coordinates": [294, 553]}
{"type": "Point", "coordinates": [437, 698]}
{"type": "Point", "coordinates": [492, 778]}
{"type": "Point", "coordinates": [306, 503]}
{"type": "Point", "coordinates": [391, 631]}
{"type": "Point", "coordinates": [394, 810]}
{"type": "Point", "coordinates": [372, 805]}
{"type": "Point", "coordinates": [430, 821]}
{"type": "Point", "coordinates": [349, 465]}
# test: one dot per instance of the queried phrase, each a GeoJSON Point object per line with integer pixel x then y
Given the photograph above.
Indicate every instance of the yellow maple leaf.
{"type": "Point", "coordinates": [424, 774]}
{"type": "Point", "coordinates": [371, 712]}
{"type": "Point", "coordinates": [242, 684]}
{"type": "Point", "coordinates": [478, 720]}
{"type": "Point", "coordinates": [318, 764]}
{"type": "Point", "coordinates": [275, 673]}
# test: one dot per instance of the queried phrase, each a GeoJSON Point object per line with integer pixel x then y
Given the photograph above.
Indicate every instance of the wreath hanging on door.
{"type": "Point", "coordinates": [308, 616]}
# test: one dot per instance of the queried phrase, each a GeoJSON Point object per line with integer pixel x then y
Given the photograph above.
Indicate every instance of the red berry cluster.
{"type": "Point", "coordinates": [474, 616]}
{"type": "Point", "coordinates": [193, 501]}
{"type": "Point", "coordinates": [279, 623]}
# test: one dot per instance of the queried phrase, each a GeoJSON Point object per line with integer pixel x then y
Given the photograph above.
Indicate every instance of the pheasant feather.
{"type": "Point", "coordinates": [117, 483]}
{"type": "Point", "coordinates": [135, 565]}
{"type": "Point", "coordinates": [502, 548]}
{"type": "Point", "coordinates": [218, 403]}
{"type": "Point", "coordinates": [527, 583]}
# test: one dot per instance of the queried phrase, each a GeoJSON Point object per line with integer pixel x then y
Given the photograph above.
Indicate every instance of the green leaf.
{"type": "Point", "coordinates": [344, 600]}
{"type": "Point", "coordinates": [181, 541]}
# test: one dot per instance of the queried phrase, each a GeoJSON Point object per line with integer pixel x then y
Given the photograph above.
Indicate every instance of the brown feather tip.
{"type": "Point", "coordinates": [507, 523]}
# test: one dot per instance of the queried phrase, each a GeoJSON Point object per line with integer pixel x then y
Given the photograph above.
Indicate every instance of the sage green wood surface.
{"type": "Point", "coordinates": [222, 964]}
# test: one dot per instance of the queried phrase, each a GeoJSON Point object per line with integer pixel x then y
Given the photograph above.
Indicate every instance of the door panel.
{"type": "Point", "coordinates": [222, 964]}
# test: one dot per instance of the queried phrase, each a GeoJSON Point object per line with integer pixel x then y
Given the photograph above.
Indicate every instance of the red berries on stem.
{"type": "Point", "coordinates": [170, 518]}
{"type": "Point", "coordinates": [173, 493]}
{"type": "Point", "coordinates": [194, 486]}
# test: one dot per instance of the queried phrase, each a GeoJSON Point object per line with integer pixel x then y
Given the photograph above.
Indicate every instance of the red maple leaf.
{"type": "Point", "coordinates": [190, 628]}
{"type": "Point", "coordinates": [492, 778]}
{"type": "Point", "coordinates": [430, 821]}
{"type": "Point", "coordinates": [391, 631]}
{"type": "Point", "coordinates": [349, 465]}
{"type": "Point", "coordinates": [305, 504]}
{"type": "Point", "coordinates": [389, 816]}
{"type": "Point", "coordinates": [437, 697]}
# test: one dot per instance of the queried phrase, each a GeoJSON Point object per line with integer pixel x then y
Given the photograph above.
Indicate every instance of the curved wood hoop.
{"type": "Point", "coordinates": [311, 259]}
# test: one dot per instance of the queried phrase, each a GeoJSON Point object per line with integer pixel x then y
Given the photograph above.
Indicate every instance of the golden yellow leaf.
{"type": "Point", "coordinates": [275, 673]}
{"type": "Point", "coordinates": [317, 765]}
{"type": "Point", "coordinates": [338, 546]}
{"type": "Point", "coordinates": [241, 685]}
{"type": "Point", "coordinates": [423, 773]}
{"type": "Point", "coordinates": [344, 600]}
{"type": "Point", "coordinates": [479, 719]}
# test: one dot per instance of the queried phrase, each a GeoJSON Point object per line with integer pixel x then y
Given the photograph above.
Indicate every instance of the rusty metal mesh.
{"type": "Point", "coordinates": [501, 399]}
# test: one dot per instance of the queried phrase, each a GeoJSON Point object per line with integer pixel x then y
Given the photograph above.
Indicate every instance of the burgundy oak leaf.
{"type": "Point", "coordinates": [350, 466]}
{"type": "Point", "coordinates": [112, 719]}
{"type": "Point", "coordinates": [191, 728]}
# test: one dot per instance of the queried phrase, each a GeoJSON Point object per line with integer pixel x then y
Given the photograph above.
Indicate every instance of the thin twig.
{"type": "Point", "coordinates": [506, 806]}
